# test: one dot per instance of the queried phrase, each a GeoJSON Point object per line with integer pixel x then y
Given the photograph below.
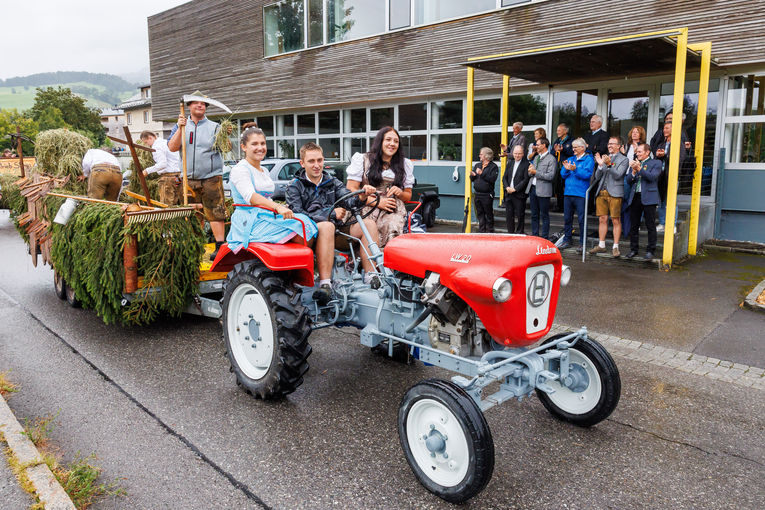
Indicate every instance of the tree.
{"type": "Point", "coordinates": [52, 118]}
{"type": "Point", "coordinates": [72, 108]}
{"type": "Point", "coordinates": [11, 118]}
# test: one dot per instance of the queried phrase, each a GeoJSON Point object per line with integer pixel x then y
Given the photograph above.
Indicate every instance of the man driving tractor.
{"type": "Point", "coordinates": [313, 193]}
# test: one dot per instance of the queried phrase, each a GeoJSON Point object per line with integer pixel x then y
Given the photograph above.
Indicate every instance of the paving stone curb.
{"type": "Point", "coordinates": [751, 299]}
{"type": "Point", "coordinates": [48, 490]}
{"type": "Point", "coordinates": [705, 366]}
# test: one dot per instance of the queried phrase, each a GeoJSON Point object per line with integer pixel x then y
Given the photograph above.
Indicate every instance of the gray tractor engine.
{"type": "Point", "coordinates": [454, 327]}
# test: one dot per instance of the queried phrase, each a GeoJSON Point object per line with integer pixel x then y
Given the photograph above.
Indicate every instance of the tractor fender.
{"type": "Point", "coordinates": [293, 257]}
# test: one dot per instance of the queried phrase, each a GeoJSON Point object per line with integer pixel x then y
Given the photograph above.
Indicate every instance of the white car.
{"type": "Point", "coordinates": [282, 172]}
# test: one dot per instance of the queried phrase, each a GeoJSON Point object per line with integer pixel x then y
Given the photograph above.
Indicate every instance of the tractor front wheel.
{"type": "Point", "coordinates": [593, 390]}
{"type": "Point", "coordinates": [446, 440]}
{"type": "Point", "coordinates": [266, 330]}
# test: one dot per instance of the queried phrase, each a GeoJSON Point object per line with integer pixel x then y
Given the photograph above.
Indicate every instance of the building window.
{"type": "Point", "coordinates": [283, 27]}
{"type": "Point", "coordinates": [430, 11]}
{"type": "Point", "coordinates": [329, 123]}
{"type": "Point", "coordinates": [355, 120]}
{"type": "Point", "coordinates": [352, 19]}
{"type": "Point", "coordinates": [413, 117]}
{"type": "Point", "coordinates": [400, 14]}
{"type": "Point", "coordinates": [129, 118]}
{"type": "Point", "coordinates": [306, 124]}
{"type": "Point", "coordinates": [447, 147]}
{"type": "Point", "coordinates": [146, 117]}
{"type": "Point", "coordinates": [285, 125]}
{"type": "Point", "coordinates": [745, 120]}
{"type": "Point", "coordinates": [315, 23]}
{"type": "Point", "coordinates": [266, 124]}
{"type": "Point", "coordinates": [446, 114]}
{"type": "Point", "coordinates": [380, 117]}
{"type": "Point", "coordinates": [294, 25]}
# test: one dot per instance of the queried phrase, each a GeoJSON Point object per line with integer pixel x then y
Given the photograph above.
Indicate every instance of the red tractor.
{"type": "Point", "coordinates": [473, 304]}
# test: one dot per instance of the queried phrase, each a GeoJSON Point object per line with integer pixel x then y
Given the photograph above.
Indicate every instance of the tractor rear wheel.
{"type": "Point", "coordinates": [595, 390]}
{"type": "Point", "coordinates": [59, 286]}
{"type": "Point", "coordinates": [446, 440]}
{"type": "Point", "coordinates": [266, 330]}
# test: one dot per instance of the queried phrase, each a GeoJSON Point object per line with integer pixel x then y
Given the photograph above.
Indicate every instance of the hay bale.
{"type": "Point", "coordinates": [59, 152]}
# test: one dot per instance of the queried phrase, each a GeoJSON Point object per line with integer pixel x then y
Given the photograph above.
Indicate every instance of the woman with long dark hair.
{"type": "Point", "coordinates": [385, 168]}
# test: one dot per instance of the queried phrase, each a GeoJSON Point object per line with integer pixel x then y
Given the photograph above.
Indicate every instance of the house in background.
{"type": "Point", "coordinates": [138, 115]}
{"type": "Point", "coordinates": [113, 120]}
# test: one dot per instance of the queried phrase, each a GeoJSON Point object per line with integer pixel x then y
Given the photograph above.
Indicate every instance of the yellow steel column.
{"type": "Point", "coordinates": [469, 148]}
{"type": "Point", "coordinates": [503, 138]}
{"type": "Point", "coordinates": [674, 149]}
{"type": "Point", "coordinates": [701, 126]}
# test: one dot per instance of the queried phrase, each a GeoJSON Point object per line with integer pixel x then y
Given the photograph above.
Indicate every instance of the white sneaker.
{"type": "Point", "coordinates": [660, 228]}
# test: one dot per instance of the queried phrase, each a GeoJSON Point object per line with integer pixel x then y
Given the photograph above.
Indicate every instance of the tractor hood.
{"type": "Point", "coordinates": [470, 264]}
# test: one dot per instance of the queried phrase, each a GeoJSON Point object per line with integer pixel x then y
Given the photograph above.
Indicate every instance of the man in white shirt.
{"type": "Point", "coordinates": [102, 170]}
{"type": "Point", "coordinates": [167, 165]}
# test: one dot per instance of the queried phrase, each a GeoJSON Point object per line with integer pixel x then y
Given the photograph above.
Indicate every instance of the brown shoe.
{"type": "Point", "coordinates": [597, 249]}
{"type": "Point", "coordinates": [616, 252]}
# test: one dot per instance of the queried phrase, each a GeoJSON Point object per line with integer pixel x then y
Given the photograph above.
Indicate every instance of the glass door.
{"type": "Point", "coordinates": [574, 108]}
{"type": "Point", "coordinates": [625, 111]}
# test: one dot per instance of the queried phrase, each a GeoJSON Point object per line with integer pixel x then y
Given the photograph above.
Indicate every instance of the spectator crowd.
{"type": "Point", "coordinates": [627, 182]}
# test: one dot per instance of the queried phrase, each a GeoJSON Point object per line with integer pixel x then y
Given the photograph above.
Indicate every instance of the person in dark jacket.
{"type": "Point", "coordinates": [597, 140]}
{"type": "Point", "coordinates": [562, 150]}
{"type": "Point", "coordinates": [515, 181]}
{"type": "Point", "coordinates": [313, 192]}
{"type": "Point", "coordinates": [484, 177]}
{"type": "Point", "coordinates": [643, 177]}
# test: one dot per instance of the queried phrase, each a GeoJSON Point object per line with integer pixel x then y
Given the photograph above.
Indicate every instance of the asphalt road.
{"type": "Point", "coordinates": [164, 418]}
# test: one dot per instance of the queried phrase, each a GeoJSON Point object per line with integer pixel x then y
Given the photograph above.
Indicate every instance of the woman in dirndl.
{"type": "Point", "coordinates": [385, 168]}
{"type": "Point", "coordinates": [251, 184]}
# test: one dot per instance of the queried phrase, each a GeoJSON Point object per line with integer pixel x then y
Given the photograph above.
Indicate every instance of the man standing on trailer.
{"type": "Point", "coordinates": [204, 165]}
{"type": "Point", "coordinates": [167, 165]}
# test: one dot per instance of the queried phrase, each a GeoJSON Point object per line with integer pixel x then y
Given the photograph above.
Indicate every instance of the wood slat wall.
{"type": "Point", "coordinates": [216, 46]}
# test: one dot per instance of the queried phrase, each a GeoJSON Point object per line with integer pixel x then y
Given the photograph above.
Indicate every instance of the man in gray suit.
{"type": "Point", "coordinates": [541, 187]}
{"type": "Point", "coordinates": [609, 193]}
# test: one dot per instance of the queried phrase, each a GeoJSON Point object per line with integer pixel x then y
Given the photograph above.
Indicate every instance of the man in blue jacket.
{"type": "Point", "coordinates": [643, 177]}
{"type": "Point", "coordinates": [576, 173]}
{"type": "Point", "coordinates": [313, 192]}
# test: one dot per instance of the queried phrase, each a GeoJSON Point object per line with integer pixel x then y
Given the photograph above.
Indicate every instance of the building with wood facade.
{"type": "Point", "coordinates": [334, 71]}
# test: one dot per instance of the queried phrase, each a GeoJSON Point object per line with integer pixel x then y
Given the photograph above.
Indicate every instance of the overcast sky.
{"type": "Point", "coordinates": [105, 36]}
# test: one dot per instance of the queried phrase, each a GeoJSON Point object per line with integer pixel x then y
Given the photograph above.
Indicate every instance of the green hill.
{"type": "Point", "coordinates": [99, 90]}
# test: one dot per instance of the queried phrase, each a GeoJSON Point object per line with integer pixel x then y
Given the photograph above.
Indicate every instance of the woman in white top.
{"type": "Point", "coordinates": [538, 133]}
{"type": "Point", "coordinates": [385, 168]}
{"type": "Point", "coordinates": [251, 184]}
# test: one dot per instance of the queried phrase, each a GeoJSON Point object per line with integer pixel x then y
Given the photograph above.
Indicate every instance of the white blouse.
{"type": "Point", "coordinates": [242, 176]}
{"type": "Point", "coordinates": [355, 171]}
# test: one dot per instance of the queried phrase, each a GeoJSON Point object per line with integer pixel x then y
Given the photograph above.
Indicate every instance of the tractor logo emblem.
{"type": "Point", "coordinates": [539, 289]}
{"type": "Point", "coordinates": [462, 259]}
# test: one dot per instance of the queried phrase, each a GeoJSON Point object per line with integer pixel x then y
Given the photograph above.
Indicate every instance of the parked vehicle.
{"type": "Point", "coordinates": [472, 304]}
{"type": "Point", "coordinates": [282, 172]}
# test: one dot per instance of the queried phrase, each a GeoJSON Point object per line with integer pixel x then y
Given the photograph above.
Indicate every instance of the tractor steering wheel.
{"type": "Point", "coordinates": [355, 209]}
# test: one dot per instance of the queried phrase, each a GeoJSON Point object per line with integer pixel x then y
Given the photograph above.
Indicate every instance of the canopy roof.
{"type": "Point", "coordinates": [617, 57]}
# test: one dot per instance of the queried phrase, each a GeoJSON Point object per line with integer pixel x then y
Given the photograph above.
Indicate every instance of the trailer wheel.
{"type": "Point", "coordinates": [266, 330]}
{"type": "Point", "coordinates": [59, 286]}
{"type": "Point", "coordinates": [71, 297]}
{"type": "Point", "coordinates": [596, 387]}
{"type": "Point", "coordinates": [446, 440]}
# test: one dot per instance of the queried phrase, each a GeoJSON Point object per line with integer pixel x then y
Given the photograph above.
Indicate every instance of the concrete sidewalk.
{"type": "Point", "coordinates": [695, 307]}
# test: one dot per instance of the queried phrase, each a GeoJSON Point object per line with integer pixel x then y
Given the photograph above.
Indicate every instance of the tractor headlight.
{"type": "Point", "coordinates": [501, 290]}
{"type": "Point", "coordinates": [565, 275]}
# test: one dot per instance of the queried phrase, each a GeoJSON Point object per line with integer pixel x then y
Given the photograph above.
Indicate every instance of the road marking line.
{"type": "Point", "coordinates": [692, 363]}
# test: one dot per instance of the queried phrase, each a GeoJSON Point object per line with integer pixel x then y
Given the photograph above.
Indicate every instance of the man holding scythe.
{"type": "Point", "coordinates": [202, 164]}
